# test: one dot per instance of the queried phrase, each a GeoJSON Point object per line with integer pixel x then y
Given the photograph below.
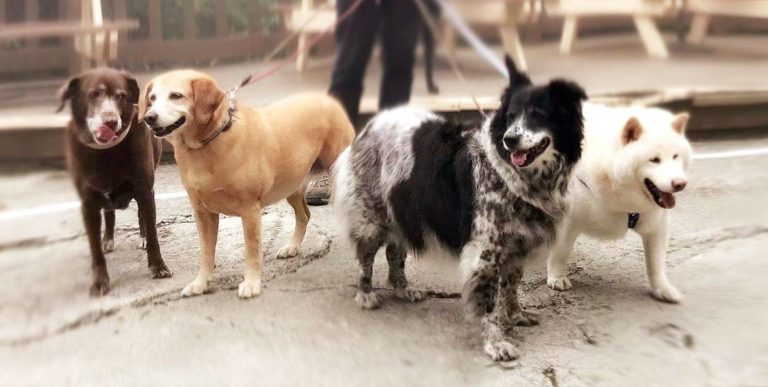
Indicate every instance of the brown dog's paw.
{"type": "Point", "coordinates": [107, 245]}
{"type": "Point", "coordinates": [160, 271]}
{"type": "Point", "coordinates": [100, 287]}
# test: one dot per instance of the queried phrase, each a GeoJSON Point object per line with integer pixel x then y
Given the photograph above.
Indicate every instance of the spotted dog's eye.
{"type": "Point", "coordinates": [655, 160]}
{"type": "Point", "coordinates": [94, 94]}
{"type": "Point", "coordinates": [176, 96]}
{"type": "Point", "coordinates": [538, 113]}
{"type": "Point", "coordinates": [674, 157]}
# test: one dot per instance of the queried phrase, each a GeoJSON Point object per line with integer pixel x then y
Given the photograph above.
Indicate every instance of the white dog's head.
{"type": "Point", "coordinates": [654, 154]}
{"type": "Point", "coordinates": [182, 103]}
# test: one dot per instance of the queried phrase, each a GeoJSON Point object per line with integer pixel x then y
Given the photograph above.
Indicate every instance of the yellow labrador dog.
{"type": "Point", "coordinates": [236, 160]}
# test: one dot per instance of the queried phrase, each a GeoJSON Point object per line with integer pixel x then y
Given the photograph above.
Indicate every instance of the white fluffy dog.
{"type": "Point", "coordinates": [634, 160]}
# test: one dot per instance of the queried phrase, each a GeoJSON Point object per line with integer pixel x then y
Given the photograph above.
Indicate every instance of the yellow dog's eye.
{"type": "Point", "coordinates": [176, 96]}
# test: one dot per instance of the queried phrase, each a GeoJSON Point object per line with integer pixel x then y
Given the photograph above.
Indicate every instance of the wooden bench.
{"type": "Point", "coordinates": [702, 10]}
{"type": "Point", "coordinates": [642, 13]}
{"type": "Point", "coordinates": [308, 19]}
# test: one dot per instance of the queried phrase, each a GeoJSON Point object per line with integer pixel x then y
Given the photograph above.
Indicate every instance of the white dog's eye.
{"type": "Point", "coordinates": [176, 96]}
{"type": "Point", "coordinates": [655, 160]}
{"type": "Point", "coordinates": [674, 157]}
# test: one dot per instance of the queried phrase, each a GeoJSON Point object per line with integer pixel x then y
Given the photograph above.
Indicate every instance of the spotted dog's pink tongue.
{"type": "Point", "coordinates": [519, 158]}
{"type": "Point", "coordinates": [667, 200]}
{"type": "Point", "coordinates": [104, 133]}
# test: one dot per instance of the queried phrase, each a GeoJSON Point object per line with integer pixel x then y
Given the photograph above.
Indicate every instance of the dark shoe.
{"type": "Point", "coordinates": [319, 191]}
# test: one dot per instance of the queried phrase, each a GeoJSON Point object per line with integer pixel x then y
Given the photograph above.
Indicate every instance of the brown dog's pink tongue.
{"type": "Point", "coordinates": [519, 158]}
{"type": "Point", "coordinates": [105, 133]}
{"type": "Point", "coordinates": [667, 200]}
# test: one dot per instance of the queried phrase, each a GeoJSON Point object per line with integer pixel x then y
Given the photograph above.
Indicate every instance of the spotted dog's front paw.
{"type": "Point", "coordinates": [559, 283]}
{"type": "Point", "coordinates": [667, 293]}
{"type": "Point", "coordinates": [367, 300]}
{"type": "Point", "coordinates": [195, 288]}
{"type": "Point", "coordinates": [501, 350]}
{"type": "Point", "coordinates": [249, 288]}
{"type": "Point", "coordinates": [107, 245]}
{"type": "Point", "coordinates": [410, 295]}
{"type": "Point", "coordinates": [287, 251]}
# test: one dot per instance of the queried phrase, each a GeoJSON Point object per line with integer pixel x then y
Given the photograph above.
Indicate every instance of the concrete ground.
{"type": "Point", "coordinates": [305, 328]}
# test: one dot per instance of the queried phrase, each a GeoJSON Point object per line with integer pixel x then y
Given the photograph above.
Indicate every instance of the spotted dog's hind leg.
{"type": "Point", "coordinates": [396, 256]}
{"type": "Point", "coordinates": [510, 312]}
{"type": "Point", "coordinates": [366, 249]}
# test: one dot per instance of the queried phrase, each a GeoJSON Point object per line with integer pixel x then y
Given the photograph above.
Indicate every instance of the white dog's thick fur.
{"type": "Point", "coordinates": [634, 159]}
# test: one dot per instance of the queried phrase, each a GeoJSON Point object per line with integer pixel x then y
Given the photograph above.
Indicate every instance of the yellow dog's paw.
{"type": "Point", "coordinates": [195, 288]}
{"type": "Point", "coordinates": [287, 251]}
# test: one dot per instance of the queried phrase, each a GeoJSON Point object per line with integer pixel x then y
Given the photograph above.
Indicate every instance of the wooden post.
{"type": "Point", "coordinates": [190, 24]}
{"type": "Point", "coordinates": [570, 33]}
{"type": "Point", "coordinates": [222, 21]}
{"type": "Point", "coordinates": [301, 59]}
{"type": "Point", "coordinates": [155, 16]}
{"type": "Point", "coordinates": [699, 27]}
{"type": "Point", "coordinates": [121, 13]}
{"type": "Point", "coordinates": [651, 37]}
{"type": "Point", "coordinates": [31, 14]}
{"type": "Point", "coordinates": [510, 37]}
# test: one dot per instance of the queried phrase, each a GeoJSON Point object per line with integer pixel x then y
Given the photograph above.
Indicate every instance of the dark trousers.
{"type": "Point", "coordinates": [400, 24]}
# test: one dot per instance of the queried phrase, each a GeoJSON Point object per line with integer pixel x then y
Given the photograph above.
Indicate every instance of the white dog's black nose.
{"type": "Point", "coordinates": [150, 118]}
{"type": "Point", "coordinates": [510, 141]}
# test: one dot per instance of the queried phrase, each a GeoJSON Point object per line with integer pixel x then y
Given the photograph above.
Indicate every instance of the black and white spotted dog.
{"type": "Point", "coordinates": [413, 181]}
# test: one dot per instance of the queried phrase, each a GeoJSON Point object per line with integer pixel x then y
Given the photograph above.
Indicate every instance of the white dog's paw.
{"type": "Point", "coordinates": [501, 350]}
{"type": "Point", "coordinates": [287, 251]}
{"type": "Point", "coordinates": [195, 288]}
{"type": "Point", "coordinates": [410, 295]}
{"type": "Point", "coordinates": [667, 293]}
{"type": "Point", "coordinates": [107, 245]}
{"type": "Point", "coordinates": [559, 283]}
{"type": "Point", "coordinates": [248, 289]}
{"type": "Point", "coordinates": [367, 300]}
{"type": "Point", "coordinates": [142, 243]}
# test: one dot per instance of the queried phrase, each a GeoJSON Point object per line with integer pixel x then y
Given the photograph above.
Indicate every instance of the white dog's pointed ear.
{"type": "Point", "coordinates": [632, 131]}
{"type": "Point", "coordinates": [681, 122]}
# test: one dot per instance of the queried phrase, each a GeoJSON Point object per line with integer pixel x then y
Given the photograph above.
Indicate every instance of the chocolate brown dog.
{"type": "Point", "coordinates": [112, 160]}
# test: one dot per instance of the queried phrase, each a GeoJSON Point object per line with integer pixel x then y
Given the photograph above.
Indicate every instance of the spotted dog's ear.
{"type": "Point", "coordinates": [207, 96]}
{"type": "Point", "coordinates": [67, 91]}
{"type": "Point", "coordinates": [144, 103]}
{"type": "Point", "coordinates": [565, 98]}
{"type": "Point", "coordinates": [517, 78]}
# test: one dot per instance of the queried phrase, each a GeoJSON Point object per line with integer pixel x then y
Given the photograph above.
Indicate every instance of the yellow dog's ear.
{"type": "Point", "coordinates": [207, 96]}
{"type": "Point", "coordinates": [144, 101]}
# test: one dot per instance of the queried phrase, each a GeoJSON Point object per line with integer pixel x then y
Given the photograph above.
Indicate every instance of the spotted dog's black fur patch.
{"type": "Point", "coordinates": [413, 179]}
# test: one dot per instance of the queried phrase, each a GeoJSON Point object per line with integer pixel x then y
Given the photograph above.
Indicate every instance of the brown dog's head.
{"type": "Point", "coordinates": [102, 102]}
{"type": "Point", "coordinates": [183, 102]}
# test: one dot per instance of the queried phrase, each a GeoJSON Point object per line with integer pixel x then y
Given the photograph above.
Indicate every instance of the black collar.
{"type": "Point", "coordinates": [230, 118]}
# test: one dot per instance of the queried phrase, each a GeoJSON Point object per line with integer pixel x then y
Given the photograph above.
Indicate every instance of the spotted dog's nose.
{"type": "Point", "coordinates": [510, 141]}
{"type": "Point", "coordinates": [679, 184]}
{"type": "Point", "coordinates": [150, 118]}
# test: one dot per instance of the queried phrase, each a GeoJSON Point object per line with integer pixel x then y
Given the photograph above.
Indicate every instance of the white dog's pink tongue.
{"type": "Point", "coordinates": [104, 133]}
{"type": "Point", "coordinates": [667, 200]}
{"type": "Point", "coordinates": [519, 158]}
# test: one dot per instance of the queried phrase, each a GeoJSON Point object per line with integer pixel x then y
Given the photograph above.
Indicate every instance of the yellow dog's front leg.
{"type": "Point", "coordinates": [208, 231]}
{"type": "Point", "coordinates": [251, 285]}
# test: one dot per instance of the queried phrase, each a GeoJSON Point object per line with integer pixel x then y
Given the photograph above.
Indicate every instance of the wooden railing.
{"type": "Point", "coordinates": [156, 41]}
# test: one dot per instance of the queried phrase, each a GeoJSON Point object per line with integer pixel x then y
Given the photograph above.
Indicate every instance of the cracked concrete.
{"type": "Point", "coordinates": [305, 328]}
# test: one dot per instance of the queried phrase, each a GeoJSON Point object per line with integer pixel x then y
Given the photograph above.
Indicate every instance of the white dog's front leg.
{"type": "Point", "coordinates": [557, 262]}
{"type": "Point", "coordinates": [655, 242]}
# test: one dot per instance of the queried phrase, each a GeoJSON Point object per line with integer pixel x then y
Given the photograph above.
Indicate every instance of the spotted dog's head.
{"type": "Point", "coordinates": [535, 124]}
{"type": "Point", "coordinates": [102, 102]}
{"type": "Point", "coordinates": [182, 102]}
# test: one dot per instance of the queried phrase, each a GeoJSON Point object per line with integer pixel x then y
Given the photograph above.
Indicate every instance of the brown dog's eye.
{"type": "Point", "coordinates": [94, 94]}
{"type": "Point", "coordinates": [120, 95]}
{"type": "Point", "coordinates": [176, 96]}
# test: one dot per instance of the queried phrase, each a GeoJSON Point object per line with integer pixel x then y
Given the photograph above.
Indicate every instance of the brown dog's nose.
{"type": "Point", "coordinates": [112, 124]}
{"type": "Point", "coordinates": [679, 184]}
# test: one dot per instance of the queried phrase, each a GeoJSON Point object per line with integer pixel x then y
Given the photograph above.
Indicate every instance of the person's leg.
{"type": "Point", "coordinates": [355, 38]}
{"type": "Point", "coordinates": [401, 28]}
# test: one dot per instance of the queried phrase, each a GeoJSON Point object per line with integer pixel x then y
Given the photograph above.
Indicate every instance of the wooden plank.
{"type": "Point", "coordinates": [651, 37]}
{"type": "Point", "coordinates": [190, 24]}
{"type": "Point", "coordinates": [198, 49]}
{"type": "Point", "coordinates": [37, 59]}
{"type": "Point", "coordinates": [155, 15]}
{"type": "Point", "coordinates": [744, 8]}
{"type": "Point", "coordinates": [570, 33]}
{"type": "Point", "coordinates": [31, 14]}
{"type": "Point", "coordinates": [41, 29]}
{"type": "Point", "coordinates": [610, 7]}
{"type": "Point", "coordinates": [222, 21]}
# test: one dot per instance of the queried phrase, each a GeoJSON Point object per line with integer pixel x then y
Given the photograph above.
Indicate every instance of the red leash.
{"type": "Point", "coordinates": [256, 77]}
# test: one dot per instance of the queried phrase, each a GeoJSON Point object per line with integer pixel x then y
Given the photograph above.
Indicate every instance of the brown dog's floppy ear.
{"type": "Point", "coordinates": [133, 87]}
{"type": "Point", "coordinates": [632, 131]}
{"type": "Point", "coordinates": [67, 91]}
{"type": "Point", "coordinates": [681, 122]}
{"type": "Point", "coordinates": [207, 98]}
{"type": "Point", "coordinates": [144, 101]}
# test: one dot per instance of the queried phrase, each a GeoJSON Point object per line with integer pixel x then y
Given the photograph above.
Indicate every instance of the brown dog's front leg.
{"type": "Point", "coordinates": [208, 230]}
{"type": "Point", "coordinates": [251, 285]}
{"type": "Point", "coordinates": [148, 216]}
{"type": "Point", "coordinates": [92, 220]}
{"type": "Point", "coordinates": [108, 242]}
